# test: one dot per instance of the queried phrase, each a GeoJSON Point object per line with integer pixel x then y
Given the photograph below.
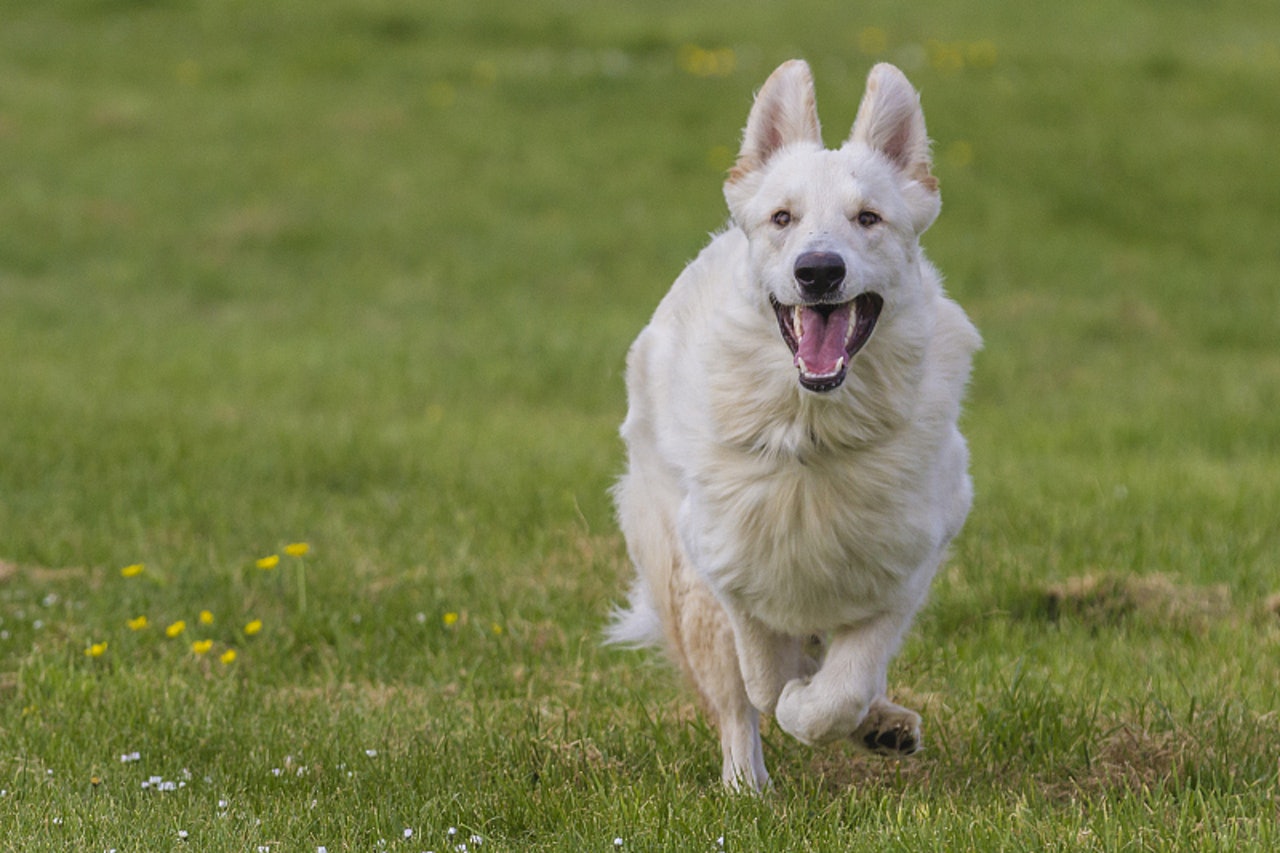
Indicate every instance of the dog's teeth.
{"type": "Point", "coordinates": [839, 365]}
{"type": "Point", "coordinates": [853, 324]}
{"type": "Point", "coordinates": [797, 321]}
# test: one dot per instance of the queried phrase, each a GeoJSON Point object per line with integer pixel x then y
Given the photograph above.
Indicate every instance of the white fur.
{"type": "Point", "coordinates": [759, 513]}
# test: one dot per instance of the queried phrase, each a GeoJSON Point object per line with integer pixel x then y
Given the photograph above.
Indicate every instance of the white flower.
{"type": "Point", "coordinates": [617, 842]}
{"type": "Point", "coordinates": [408, 833]}
{"type": "Point", "coordinates": [182, 834]}
{"type": "Point", "coordinates": [371, 752]}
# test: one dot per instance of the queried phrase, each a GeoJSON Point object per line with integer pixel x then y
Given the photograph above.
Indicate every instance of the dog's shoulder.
{"type": "Point", "coordinates": [955, 340]}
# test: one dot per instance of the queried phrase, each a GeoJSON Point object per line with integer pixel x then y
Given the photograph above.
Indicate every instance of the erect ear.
{"type": "Point", "coordinates": [891, 121]}
{"type": "Point", "coordinates": [784, 112]}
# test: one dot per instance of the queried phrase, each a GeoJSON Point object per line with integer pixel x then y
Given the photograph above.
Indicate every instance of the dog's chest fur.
{"type": "Point", "coordinates": [816, 511]}
{"type": "Point", "coordinates": [810, 536]}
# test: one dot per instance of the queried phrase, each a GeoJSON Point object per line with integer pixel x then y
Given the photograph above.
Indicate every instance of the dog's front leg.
{"type": "Point", "coordinates": [768, 660]}
{"type": "Point", "coordinates": [848, 691]}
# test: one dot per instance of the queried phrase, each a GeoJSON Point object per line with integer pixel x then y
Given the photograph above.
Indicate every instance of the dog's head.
{"type": "Point", "coordinates": [834, 235]}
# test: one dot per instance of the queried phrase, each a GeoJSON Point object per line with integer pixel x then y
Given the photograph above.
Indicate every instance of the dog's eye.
{"type": "Point", "coordinates": [781, 218]}
{"type": "Point", "coordinates": [867, 218]}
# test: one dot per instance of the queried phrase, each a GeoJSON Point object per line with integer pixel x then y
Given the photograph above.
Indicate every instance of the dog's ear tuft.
{"type": "Point", "coordinates": [891, 121]}
{"type": "Point", "coordinates": [785, 112]}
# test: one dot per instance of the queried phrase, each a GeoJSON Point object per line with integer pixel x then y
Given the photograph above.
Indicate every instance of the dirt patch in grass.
{"type": "Point", "coordinates": [1112, 598]}
{"type": "Point", "coordinates": [39, 574]}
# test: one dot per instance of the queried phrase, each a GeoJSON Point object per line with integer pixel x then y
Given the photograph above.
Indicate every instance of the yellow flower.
{"type": "Point", "coordinates": [253, 627]}
{"type": "Point", "coordinates": [132, 571]}
{"type": "Point", "coordinates": [201, 647]}
{"type": "Point", "coordinates": [96, 650]}
{"type": "Point", "coordinates": [873, 41]}
{"type": "Point", "coordinates": [137, 624]}
{"type": "Point", "coordinates": [229, 656]}
{"type": "Point", "coordinates": [175, 629]}
{"type": "Point", "coordinates": [206, 618]}
{"type": "Point", "coordinates": [269, 562]}
{"type": "Point", "coordinates": [297, 549]}
{"type": "Point", "coordinates": [496, 629]}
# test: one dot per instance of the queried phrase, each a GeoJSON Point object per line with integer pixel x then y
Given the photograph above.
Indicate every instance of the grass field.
{"type": "Point", "coordinates": [361, 275]}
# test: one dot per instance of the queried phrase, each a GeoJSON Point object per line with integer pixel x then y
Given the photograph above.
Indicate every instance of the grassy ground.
{"type": "Point", "coordinates": [362, 275]}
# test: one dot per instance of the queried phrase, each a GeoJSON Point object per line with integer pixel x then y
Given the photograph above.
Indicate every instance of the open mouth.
{"type": "Point", "coordinates": [824, 338]}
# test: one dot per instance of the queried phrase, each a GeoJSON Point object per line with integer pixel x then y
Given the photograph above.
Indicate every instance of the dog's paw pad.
{"type": "Point", "coordinates": [895, 741]}
{"type": "Point", "coordinates": [889, 730]}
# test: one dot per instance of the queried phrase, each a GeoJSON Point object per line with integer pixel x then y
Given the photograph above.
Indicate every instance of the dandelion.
{"type": "Point", "coordinates": [873, 41]}
{"type": "Point", "coordinates": [137, 623]}
{"type": "Point", "coordinates": [268, 563]}
{"type": "Point", "coordinates": [229, 656]}
{"type": "Point", "coordinates": [175, 629]}
{"type": "Point", "coordinates": [441, 95]}
{"type": "Point", "coordinates": [132, 571]}
{"type": "Point", "coordinates": [701, 62]}
{"type": "Point", "coordinates": [959, 154]}
{"type": "Point", "coordinates": [206, 618]}
{"type": "Point", "coordinates": [96, 650]}
{"type": "Point", "coordinates": [202, 647]}
{"type": "Point", "coordinates": [450, 619]}
{"type": "Point", "coordinates": [720, 158]}
{"type": "Point", "coordinates": [297, 550]}
{"type": "Point", "coordinates": [982, 54]}
{"type": "Point", "coordinates": [253, 627]}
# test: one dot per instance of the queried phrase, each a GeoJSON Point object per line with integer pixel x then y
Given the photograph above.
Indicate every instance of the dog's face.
{"type": "Point", "coordinates": [833, 234]}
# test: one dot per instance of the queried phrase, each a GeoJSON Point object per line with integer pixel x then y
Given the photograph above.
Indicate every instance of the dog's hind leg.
{"type": "Point", "coordinates": [709, 657]}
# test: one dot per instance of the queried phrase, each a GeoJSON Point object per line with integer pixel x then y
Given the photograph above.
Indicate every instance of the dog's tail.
{"type": "Point", "coordinates": [638, 624]}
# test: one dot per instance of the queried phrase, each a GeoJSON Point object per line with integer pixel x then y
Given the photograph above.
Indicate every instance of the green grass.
{"type": "Point", "coordinates": [363, 274]}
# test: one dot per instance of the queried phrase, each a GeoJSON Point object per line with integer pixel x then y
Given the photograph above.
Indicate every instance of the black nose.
{"type": "Point", "coordinates": [819, 273]}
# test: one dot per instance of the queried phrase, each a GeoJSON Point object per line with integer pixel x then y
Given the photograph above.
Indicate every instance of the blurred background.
{"type": "Point", "coordinates": [362, 274]}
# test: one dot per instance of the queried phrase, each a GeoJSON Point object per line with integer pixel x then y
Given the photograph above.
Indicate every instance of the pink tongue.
{"type": "Point", "coordinates": [822, 341]}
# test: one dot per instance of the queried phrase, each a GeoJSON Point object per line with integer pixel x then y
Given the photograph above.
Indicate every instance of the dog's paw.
{"type": "Point", "coordinates": [889, 730]}
{"type": "Point", "coordinates": [814, 715]}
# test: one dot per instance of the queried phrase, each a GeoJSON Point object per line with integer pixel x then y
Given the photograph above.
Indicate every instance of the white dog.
{"type": "Point", "coordinates": [794, 465]}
